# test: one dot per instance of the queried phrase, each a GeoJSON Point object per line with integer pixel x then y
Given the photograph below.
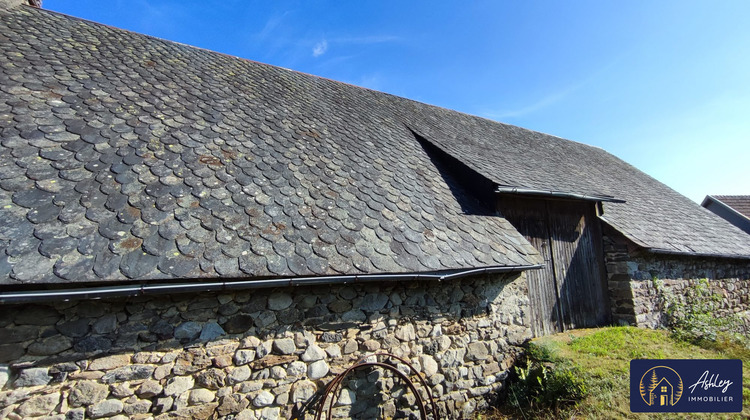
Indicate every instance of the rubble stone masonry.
{"type": "Point", "coordinates": [260, 354]}
{"type": "Point", "coordinates": [634, 296]}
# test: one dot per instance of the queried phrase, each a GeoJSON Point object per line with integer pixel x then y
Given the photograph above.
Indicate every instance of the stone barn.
{"type": "Point", "coordinates": [187, 234]}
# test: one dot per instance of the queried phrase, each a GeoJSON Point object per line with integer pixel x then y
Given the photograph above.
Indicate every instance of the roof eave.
{"type": "Point", "coordinates": [503, 189]}
{"type": "Point", "coordinates": [100, 292]}
{"type": "Point", "coordinates": [697, 254]}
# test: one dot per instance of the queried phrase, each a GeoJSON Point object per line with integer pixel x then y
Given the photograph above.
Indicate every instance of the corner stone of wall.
{"type": "Point", "coordinates": [619, 282]}
{"type": "Point", "coordinates": [260, 354]}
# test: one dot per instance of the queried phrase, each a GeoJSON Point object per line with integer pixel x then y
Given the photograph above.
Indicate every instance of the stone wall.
{"type": "Point", "coordinates": [730, 279]}
{"type": "Point", "coordinates": [616, 257]}
{"type": "Point", "coordinates": [261, 353]}
{"type": "Point", "coordinates": [634, 296]}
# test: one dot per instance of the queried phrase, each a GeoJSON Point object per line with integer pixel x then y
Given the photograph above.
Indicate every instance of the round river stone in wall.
{"type": "Point", "coordinates": [279, 301]}
{"type": "Point", "coordinates": [187, 331]}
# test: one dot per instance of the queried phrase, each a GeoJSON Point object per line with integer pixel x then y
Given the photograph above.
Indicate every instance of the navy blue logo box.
{"type": "Point", "coordinates": [686, 386]}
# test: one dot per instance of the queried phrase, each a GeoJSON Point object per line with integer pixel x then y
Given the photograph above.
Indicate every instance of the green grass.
{"type": "Point", "coordinates": [604, 354]}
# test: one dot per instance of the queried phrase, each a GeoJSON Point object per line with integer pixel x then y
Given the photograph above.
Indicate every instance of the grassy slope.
{"type": "Point", "coordinates": [604, 356]}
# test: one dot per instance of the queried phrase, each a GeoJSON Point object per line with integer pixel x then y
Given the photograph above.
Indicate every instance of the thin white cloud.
{"type": "Point", "coordinates": [335, 61]}
{"type": "Point", "coordinates": [320, 48]}
{"type": "Point", "coordinates": [271, 25]}
{"type": "Point", "coordinates": [554, 97]}
{"type": "Point", "coordinates": [371, 81]}
{"type": "Point", "coordinates": [536, 106]}
{"type": "Point", "coordinates": [158, 19]}
{"type": "Point", "coordinates": [361, 40]}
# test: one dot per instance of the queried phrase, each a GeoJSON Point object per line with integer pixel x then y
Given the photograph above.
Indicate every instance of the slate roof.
{"type": "Point", "coordinates": [126, 157]}
{"type": "Point", "coordinates": [739, 203]}
{"type": "Point", "coordinates": [653, 216]}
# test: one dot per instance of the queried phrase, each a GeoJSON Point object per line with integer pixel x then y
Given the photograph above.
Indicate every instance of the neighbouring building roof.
{"type": "Point", "coordinates": [126, 157]}
{"type": "Point", "coordinates": [738, 203]}
{"type": "Point", "coordinates": [733, 208]}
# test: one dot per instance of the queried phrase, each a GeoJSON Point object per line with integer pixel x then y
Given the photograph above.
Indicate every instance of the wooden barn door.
{"type": "Point", "coordinates": [570, 292]}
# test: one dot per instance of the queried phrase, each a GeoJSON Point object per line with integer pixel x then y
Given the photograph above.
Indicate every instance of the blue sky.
{"type": "Point", "coordinates": [663, 85]}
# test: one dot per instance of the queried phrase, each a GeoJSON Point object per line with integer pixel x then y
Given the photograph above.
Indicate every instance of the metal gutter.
{"type": "Point", "coordinates": [215, 286]}
{"type": "Point", "coordinates": [555, 194]}
{"type": "Point", "coordinates": [697, 254]}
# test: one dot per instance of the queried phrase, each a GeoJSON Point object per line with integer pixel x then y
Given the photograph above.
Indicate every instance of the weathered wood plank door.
{"type": "Point", "coordinates": [531, 222]}
{"type": "Point", "coordinates": [570, 292]}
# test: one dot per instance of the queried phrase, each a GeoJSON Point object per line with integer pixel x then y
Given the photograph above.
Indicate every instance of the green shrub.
{"type": "Point", "coordinates": [539, 353]}
{"type": "Point", "coordinates": [544, 383]}
{"type": "Point", "coordinates": [695, 315]}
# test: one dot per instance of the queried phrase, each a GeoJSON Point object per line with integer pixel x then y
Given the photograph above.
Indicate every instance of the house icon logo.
{"type": "Point", "coordinates": [661, 386]}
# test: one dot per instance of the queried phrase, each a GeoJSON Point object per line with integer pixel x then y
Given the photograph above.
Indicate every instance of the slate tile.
{"type": "Point", "coordinates": [112, 228]}
{"type": "Point", "coordinates": [157, 245]}
{"type": "Point", "coordinates": [16, 184]}
{"type": "Point", "coordinates": [42, 172]}
{"type": "Point", "coordinates": [5, 266]}
{"type": "Point", "coordinates": [283, 248]}
{"type": "Point", "coordinates": [137, 264]}
{"type": "Point", "coordinates": [55, 154]}
{"type": "Point", "coordinates": [253, 265]}
{"type": "Point", "coordinates": [362, 264]}
{"type": "Point", "coordinates": [166, 203]}
{"type": "Point", "coordinates": [22, 245]}
{"type": "Point", "coordinates": [179, 267]}
{"type": "Point", "coordinates": [170, 229]}
{"type": "Point", "coordinates": [277, 265]}
{"type": "Point", "coordinates": [91, 244]}
{"type": "Point", "coordinates": [32, 134]}
{"type": "Point", "coordinates": [125, 244]}
{"type": "Point", "coordinates": [31, 267]}
{"type": "Point", "coordinates": [212, 253]}
{"type": "Point", "coordinates": [318, 265]}
{"type": "Point", "coordinates": [32, 198]}
{"type": "Point", "coordinates": [57, 247]}
{"type": "Point", "coordinates": [157, 189]}
{"type": "Point", "coordinates": [153, 215]}
{"type": "Point", "coordinates": [199, 234]}
{"type": "Point", "coordinates": [188, 247]}
{"type": "Point", "coordinates": [43, 214]}
{"type": "Point", "coordinates": [227, 266]}
{"type": "Point", "coordinates": [116, 201]}
{"type": "Point", "coordinates": [106, 264]}
{"type": "Point", "coordinates": [74, 267]}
